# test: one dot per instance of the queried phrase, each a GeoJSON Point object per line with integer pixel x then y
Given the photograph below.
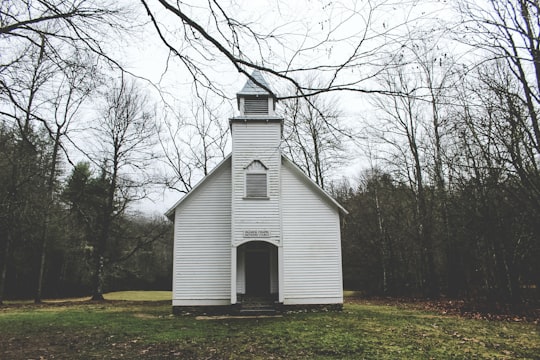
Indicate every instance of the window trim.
{"type": "Point", "coordinates": [262, 170]}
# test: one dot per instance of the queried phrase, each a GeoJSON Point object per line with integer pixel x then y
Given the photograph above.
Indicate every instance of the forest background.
{"type": "Point", "coordinates": [433, 105]}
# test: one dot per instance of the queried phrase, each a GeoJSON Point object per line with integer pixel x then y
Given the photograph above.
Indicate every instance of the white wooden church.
{"type": "Point", "coordinates": [256, 226]}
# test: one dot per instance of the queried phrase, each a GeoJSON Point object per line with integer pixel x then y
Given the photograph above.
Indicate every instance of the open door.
{"type": "Point", "coordinates": [257, 270]}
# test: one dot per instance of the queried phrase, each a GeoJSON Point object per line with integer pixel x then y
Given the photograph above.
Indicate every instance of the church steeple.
{"type": "Point", "coordinates": [255, 169]}
{"type": "Point", "coordinates": [256, 99]}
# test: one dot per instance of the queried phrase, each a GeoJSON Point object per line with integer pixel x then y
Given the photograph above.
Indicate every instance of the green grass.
{"type": "Point", "coordinates": [147, 330]}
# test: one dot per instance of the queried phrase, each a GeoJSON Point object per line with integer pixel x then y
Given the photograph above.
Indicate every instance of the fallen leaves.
{"type": "Point", "coordinates": [471, 310]}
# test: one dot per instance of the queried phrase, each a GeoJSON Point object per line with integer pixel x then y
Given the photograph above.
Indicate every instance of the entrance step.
{"type": "Point", "coordinates": [268, 312]}
{"type": "Point", "coordinates": [258, 306]}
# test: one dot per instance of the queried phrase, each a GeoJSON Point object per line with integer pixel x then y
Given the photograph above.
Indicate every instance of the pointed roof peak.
{"type": "Point", "coordinates": [251, 88]}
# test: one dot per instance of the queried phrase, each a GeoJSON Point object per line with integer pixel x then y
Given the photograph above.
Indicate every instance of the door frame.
{"type": "Point", "coordinates": [238, 268]}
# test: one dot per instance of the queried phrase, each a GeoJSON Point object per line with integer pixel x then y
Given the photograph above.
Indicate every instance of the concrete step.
{"type": "Point", "coordinates": [258, 307]}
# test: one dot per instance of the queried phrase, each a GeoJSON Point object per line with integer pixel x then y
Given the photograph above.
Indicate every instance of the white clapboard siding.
{"type": "Point", "coordinates": [256, 141]}
{"type": "Point", "coordinates": [202, 245]}
{"type": "Point", "coordinates": [311, 243]}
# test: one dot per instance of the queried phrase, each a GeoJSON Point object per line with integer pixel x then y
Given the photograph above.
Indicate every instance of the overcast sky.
{"type": "Point", "coordinates": [328, 31]}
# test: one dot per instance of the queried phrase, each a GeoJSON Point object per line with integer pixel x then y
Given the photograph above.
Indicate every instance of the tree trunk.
{"type": "Point", "coordinates": [383, 243]}
{"type": "Point", "coordinates": [3, 274]}
{"type": "Point", "coordinates": [98, 279]}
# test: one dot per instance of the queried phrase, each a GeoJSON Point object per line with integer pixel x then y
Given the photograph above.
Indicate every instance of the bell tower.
{"type": "Point", "coordinates": [255, 174]}
{"type": "Point", "coordinates": [255, 101]}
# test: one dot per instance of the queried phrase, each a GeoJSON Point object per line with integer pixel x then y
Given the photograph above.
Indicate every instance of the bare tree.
{"type": "Point", "coordinates": [71, 88]}
{"type": "Point", "coordinates": [404, 130]}
{"type": "Point", "coordinates": [193, 143]}
{"type": "Point", "coordinates": [509, 30]}
{"type": "Point", "coordinates": [41, 42]}
{"type": "Point", "coordinates": [497, 153]}
{"type": "Point", "coordinates": [221, 32]}
{"type": "Point", "coordinates": [437, 73]}
{"type": "Point", "coordinates": [315, 137]}
{"type": "Point", "coordinates": [75, 24]}
{"type": "Point", "coordinates": [126, 132]}
{"type": "Point", "coordinates": [503, 114]}
{"type": "Point", "coordinates": [26, 83]}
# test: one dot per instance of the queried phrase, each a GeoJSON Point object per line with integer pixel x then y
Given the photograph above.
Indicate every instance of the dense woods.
{"type": "Point", "coordinates": [483, 247]}
{"type": "Point", "coordinates": [448, 199]}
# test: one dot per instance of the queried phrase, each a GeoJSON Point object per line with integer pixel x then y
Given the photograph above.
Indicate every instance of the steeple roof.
{"type": "Point", "coordinates": [251, 88]}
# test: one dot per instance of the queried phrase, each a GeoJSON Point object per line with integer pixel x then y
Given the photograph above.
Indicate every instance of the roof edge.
{"type": "Point", "coordinates": [313, 184]}
{"type": "Point", "coordinates": [256, 85]}
{"type": "Point", "coordinates": [255, 118]}
{"type": "Point", "coordinates": [170, 213]}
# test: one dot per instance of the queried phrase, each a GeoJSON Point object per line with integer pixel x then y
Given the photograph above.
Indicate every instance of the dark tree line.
{"type": "Point", "coordinates": [138, 253]}
{"type": "Point", "coordinates": [490, 252]}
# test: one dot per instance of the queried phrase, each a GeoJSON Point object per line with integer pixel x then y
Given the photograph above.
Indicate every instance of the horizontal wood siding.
{"type": "Point", "coordinates": [256, 140]}
{"type": "Point", "coordinates": [202, 247]}
{"type": "Point", "coordinates": [311, 244]}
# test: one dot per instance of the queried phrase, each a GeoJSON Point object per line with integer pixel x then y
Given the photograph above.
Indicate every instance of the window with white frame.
{"type": "Point", "coordinates": [256, 180]}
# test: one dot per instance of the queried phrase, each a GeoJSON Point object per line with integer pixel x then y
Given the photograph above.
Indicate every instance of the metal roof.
{"type": "Point", "coordinates": [251, 88]}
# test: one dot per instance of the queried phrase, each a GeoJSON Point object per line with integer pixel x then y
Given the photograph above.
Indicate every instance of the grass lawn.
{"type": "Point", "coordinates": [135, 329]}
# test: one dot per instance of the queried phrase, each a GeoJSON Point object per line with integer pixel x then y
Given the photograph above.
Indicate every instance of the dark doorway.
{"type": "Point", "coordinates": [258, 272]}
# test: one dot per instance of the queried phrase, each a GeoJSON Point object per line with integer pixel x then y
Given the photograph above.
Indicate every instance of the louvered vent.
{"type": "Point", "coordinates": [256, 106]}
{"type": "Point", "coordinates": [256, 185]}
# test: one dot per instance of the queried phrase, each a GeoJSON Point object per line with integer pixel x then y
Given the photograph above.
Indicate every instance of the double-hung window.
{"type": "Point", "coordinates": [256, 180]}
